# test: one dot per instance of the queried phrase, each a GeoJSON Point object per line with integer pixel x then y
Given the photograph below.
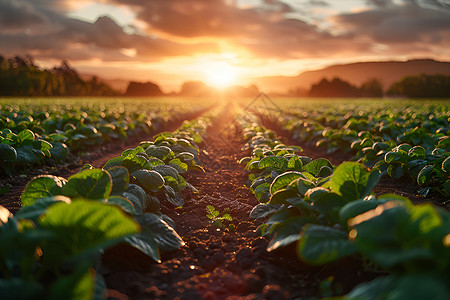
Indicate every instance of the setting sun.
{"type": "Point", "coordinates": [220, 74]}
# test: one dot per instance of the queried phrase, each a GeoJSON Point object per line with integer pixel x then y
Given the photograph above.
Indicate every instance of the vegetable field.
{"type": "Point", "coordinates": [174, 198]}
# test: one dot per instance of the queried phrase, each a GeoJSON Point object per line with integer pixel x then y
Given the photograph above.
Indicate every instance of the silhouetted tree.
{"type": "Point", "coordinates": [20, 76]}
{"type": "Point", "coordinates": [371, 88]}
{"type": "Point", "coordinates": [334, 88]}
{"type": "Point", "coordinates": [143, 89]}
{"type": "Point", "coordinates": [422, 86]}
{"type": "Point", "coordinates": [196, 89]}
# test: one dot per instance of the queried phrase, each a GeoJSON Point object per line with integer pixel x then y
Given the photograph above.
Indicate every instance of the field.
{"type": "Point", "coordinates": [176, 198]}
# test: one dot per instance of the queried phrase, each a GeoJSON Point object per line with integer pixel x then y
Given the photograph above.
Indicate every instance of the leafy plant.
{"type": "Point", "coordinates": [51, 248]}
{"type": "Point", "coordinates": [219, 221]}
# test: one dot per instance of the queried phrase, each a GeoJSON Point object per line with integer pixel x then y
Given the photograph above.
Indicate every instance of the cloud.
{"type": "Point", "coordinates": [264, 29]}
{"type": "Point", "coordinates": [205, 18]}
{"type": "Point", "coordinates": [31, 29]}
{"type": "Point", "coordinates": [15, 15]}
{"type": "Point", "coordinates": [395, 24]}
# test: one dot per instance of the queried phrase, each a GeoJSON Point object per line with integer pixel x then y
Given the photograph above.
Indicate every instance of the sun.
{"type": "Point", "coordinates": [220, 74]}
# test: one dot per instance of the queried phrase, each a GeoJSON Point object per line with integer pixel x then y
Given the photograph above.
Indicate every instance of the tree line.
{"type": "Point", "coordinates": [412, 86]}
{"type": "Point", "coordinates": [20, 76]}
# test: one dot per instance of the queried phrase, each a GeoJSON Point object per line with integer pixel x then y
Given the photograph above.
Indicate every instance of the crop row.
{"type": "Point", "coordinates": [52, 246]}
{"type": "Point", "coordinates": [331, 213]}
{"type": "Point", "coordinates": [33, 133]}
{"type": "Point", "coordinates": [402, 141]}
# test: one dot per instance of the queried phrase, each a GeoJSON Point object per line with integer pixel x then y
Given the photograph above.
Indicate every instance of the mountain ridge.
{"type": "Point", "coordinates": [387, 72]}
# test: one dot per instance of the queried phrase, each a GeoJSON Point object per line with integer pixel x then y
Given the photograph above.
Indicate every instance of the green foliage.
{"type": "Point", "coordinates": [323, 244]}
{"type": "Point", "coordinates": [221, 221]}
{"type": "Point", "coordinates": [64, 225]}
{"type": "Point", "coordinates": [399, 139]}
{"type": "Point", "coordinates": [335, 216]}
{"type": "Point", "coordinates": [422, 86]}
{"type": "Point", "coordinates": [19, 76]}
{"type": "Point", "coordinates": [57, 251]}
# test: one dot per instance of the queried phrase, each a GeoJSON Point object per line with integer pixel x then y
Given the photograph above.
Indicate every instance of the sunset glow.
{"type": "Point", "coordinates": [220, 42]}
{"type": "Point", "coordinates": [220, 75]}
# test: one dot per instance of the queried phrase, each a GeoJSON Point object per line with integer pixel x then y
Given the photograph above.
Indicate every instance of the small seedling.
{"type": "Point", "coordinates": [217, 220]}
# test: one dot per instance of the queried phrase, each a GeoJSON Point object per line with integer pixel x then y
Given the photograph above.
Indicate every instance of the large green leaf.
{"type": "Point", "coordinates": [321, 244]}
{"type": "Point", "coordinates": [26, 155]}
{"type": "Point", "coordinates": [7, 152]}
{"type": "Point", "coordinates": [26, 137]}
{"type": "Point", "coordinates": [122, 202]}
{"type": "Point", "coordinates": [262, 210]}
{"type": "Point", "coordinates": [166, 170]}
{"type": "Point", "coordinates": [43, 186]}
{"type": "Point", "coordinates": [136, 162]}
{"type": "Point", "coordinates": [120, 179]}
{"type": "Point", "coordinates": [394, 287]}
{"type": "Point", "coordinates": [319, 166]}
{"type": "Point", "coordinates": [283, 180]}
{"type": "Point", "coordinates": [85, 227]}
{"type": "Point", "coordinates": [145, 242]}
{"type": "Point", "coordinates": [113, 162]}
{"type": "Point", "coordinates": [90, 184]}
{"type": "Point", "coordinates": [38, 208]}
{"type": "Point", "coordinates": [172, 196]}
{"type": "Point", "coordinates": [262, 192]}
{"type": "Point", "coordinates": [178, 165]}
{"type": "Point", "coordinates": [59, 151]}
{"type": "Point", "coordinates": [425, 174]}
{"type": "Point", "coordinates": [417, 152]}
{"type": "Point", "coordinates": [396, 233]}
{"type": "Point", "coordinates": [446, 165]}
{"type": "Point", "coordinates": [288, 232]}
{"type": "Point", "coordinates": [165, 236]}
{"type": "Point", "coordinates": [281, 196]}
{"type": "Point", "coordinates": [295, 163]}
{"type": "Point", "coordinates": [353, 181]}
{"type": "Point", "coordinates": [78, 284]}
{"type": "Point", "coordinates": [148, 179]}
{"type": "Point", "coordinates": [273, 162]}
{"type": "Point", "coordinates": [137, 196]}
{"type": "Point", "coordinates": [161, 152]}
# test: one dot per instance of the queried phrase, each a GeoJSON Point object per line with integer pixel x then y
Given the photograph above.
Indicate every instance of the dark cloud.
{"type": "Point", "coordinates": [263, 30]}
{"type": "Point", "coordinates": [380, 3]}
{"type": "Point", "coordinates": [409, 23]}
{"type": "Point", "coordinates": [180, 27]}
{"type": "Point", "coordinates": [203, 18]}
{"type": "Point", "coordinates": [46, 33]}
{"type": "Point", "coordinates": [16, 15]}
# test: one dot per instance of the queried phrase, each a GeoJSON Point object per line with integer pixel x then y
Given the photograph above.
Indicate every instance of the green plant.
{"type": "Point", "coordinates": [218, 220]}
{"type": "Point", "coordinates": [51, 248]}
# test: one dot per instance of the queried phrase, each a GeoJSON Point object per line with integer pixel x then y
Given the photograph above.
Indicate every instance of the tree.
{"type": "Point", "coordinates": [143, 89]}
{"type": "Point", "coordinates": [422, 86]}
{"type": "Point", "coordinates": [20, 76]}
{"type": "Point", "coordinates": [371, 88]}
{"type": "Point", "coordinates": [334, 88]}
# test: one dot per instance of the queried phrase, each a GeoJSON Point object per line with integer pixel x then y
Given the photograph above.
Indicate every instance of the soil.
{"type": "Point", "coordinates": [216, 263]}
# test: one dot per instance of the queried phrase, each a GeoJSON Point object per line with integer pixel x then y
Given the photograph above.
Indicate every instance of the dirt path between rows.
{"type": "Point", "coordinates": [217, 263]}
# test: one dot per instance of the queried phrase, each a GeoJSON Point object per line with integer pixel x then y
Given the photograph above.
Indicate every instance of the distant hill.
{"type": "Point", "coordinates": [356, 73]}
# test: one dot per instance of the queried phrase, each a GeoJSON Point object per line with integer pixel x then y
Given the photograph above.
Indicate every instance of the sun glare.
{"type": "Point", "coordinates": [220, 74]}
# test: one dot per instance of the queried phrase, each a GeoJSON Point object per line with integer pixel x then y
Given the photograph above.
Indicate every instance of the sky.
{"type": "Point", "coordinates": [220, 42]}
